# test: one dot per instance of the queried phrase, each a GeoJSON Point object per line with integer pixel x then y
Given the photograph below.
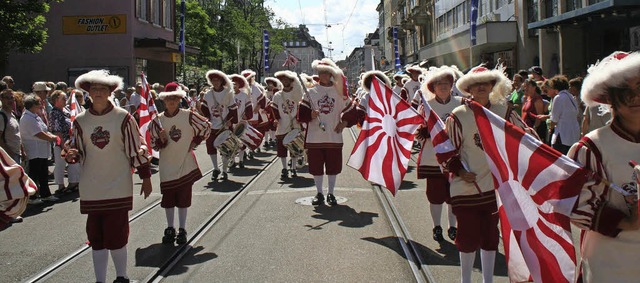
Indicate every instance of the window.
{"type": "Point", "coordinates": [551, 8]}
{"type": "Point", "coordinates": [141, 9]}
{"type": "Point", "coordinates": [573, 4]}
{"type": "Point", "coordinates": [500, 3]}
{"type": "Point", "coordinates": [155, 11]}
{"type": "Point", "coordinates": [167, 23]}
{"type": "Point", "coordinates": [449, 20]}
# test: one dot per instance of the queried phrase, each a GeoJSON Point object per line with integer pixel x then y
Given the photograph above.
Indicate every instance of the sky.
{"type": "Point", "coordinates": [350, 21]}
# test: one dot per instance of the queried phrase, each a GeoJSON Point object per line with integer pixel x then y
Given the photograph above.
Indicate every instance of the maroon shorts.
{"type": "Point", "coordinates": [212, 137]}
{"type": "Point", "coordinates": [177, 197]}
{"type": "Point", "coordinates": [438, 189]}
{"type": "Point", "coordinates": [324, 158]}
{"type": "Point", "coordinates": [282, 151]}
{"type": "Point", "coordinates": [477, 227]}
{"type": "Point", "coordinates": [108, 230]}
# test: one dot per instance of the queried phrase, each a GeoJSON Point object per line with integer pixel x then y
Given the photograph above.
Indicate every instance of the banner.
{"type": "Point", "coordinates": [395, 48]}
{"type": "Point", "coordinates": [474, 21]}
{"type": "Point", "coordinates": [181, 39]}
{"type": "Point", "coordinates": [265, 41]}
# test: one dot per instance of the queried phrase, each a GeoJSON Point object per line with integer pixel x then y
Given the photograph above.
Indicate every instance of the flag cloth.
{"type": "Point", "coordinates": [537, 188]}
{"type": "Point", "coordinates": [75, 110]}
{"type": "Point", "coordinates": [383, 148]}
{"type": "Point", "coordinates": [181, 48]}
{"type": "Point", "coordinates": [439, 138]}
{"type": "Point", "coordinates": [291, 60]}
{"type": "Point", "coordinates": [395, 48]}
{"type": "Point", "coordinates": [474, 21]}
{"type": "Point", "coordinates": [265, 43]}
{"type": "Point", "coordinates": [147, 113]}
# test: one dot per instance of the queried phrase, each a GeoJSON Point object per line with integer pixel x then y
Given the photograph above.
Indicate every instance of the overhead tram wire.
{"type": "Point", "coordinates": [301, 14]}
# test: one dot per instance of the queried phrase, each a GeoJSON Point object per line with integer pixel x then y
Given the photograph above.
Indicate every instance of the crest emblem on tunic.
{"type": "Point", "coordinates": [175, 134]}
{"type": "Point", "coordinates": [215, 112]}
{"type": "Point", "coordinates": [326, 104]}
{"type": "Point", "coordinates": [100, 137]}
{"type": "Point", "coordinates": [287, 106]}
{"type": "Point", "coordinates": [477, 141]}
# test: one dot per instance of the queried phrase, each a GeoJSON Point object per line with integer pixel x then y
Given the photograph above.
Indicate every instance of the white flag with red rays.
{"type": "Point", "coordinates": [147, 113]}
{"type": "Point", "coordinates": [537, 188]}
{"type": "Point", "coordinates": [439, 138]}
{"type": "Point", "coordinates": [383, 148]}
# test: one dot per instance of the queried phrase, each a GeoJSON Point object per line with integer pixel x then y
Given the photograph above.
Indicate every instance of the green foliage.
{"type": "Point", "coordinates": [220, 28]}
{"type": "Point", "coordinates": [22, 26]}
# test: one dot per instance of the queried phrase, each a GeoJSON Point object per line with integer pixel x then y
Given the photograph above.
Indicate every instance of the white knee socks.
{"type": "Point", "coordinates": [119, 258]}
{"type": "Point", "coordinates": [318, 180]}
{"type": "Point", "coordinates": [283, 160]}
{"type": "Point", "coordinates": [488, 259]}
{"type": "Point", "coordinates": [466, 264]}
{"type": "Point", "coordinates": [214, 161]}
{"type": "Point", "coordinates": [332, 183]}
{"type": "Point", "coordinates": [182, 217]}
{"type": "Point", "coordinates": [100, 260]}
{"type": "Point", "coordinates": [169, 213]}
{"type": "Point", "coordinates": [453, 222]}
{"type": "Point", "coordinates": [436, 213]}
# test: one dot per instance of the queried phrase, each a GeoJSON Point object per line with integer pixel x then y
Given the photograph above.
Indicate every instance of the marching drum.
{"type": "Point", "coordinates": [226, 143]}
{"type": "Point", "coordinates": [249, 135]}
{"type": "Point", "coordinates": [294, 142]}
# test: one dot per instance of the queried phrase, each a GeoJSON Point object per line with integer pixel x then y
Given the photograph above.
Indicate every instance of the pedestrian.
{"type": "Point", "coordinates": [322, 110]}
{"type": "Point", "coordinates": [10, 138]}
{"type": "Point", "coordinates": [609, 244]}
{"type": "Point", "coordinates": [245, 111]}
{"type": "Point", "coordinates": [106, 142]}
{"type": "Point", "coordinates": [564, 115]}
{"type": "Point", "coordinates": [533, 107]}
{"type": "Point", "coordinates": [397, 79]}
{"type": "Point", "coordinates": [438, 93]}
{"type": "Point", "coordinates": [258, 103]}
{"type": "Point", "coordinates": [60, 125]}
{"type": "Point", "coordinates": [37, 143]}
{"type": "Point", "coordinates": [174, 135]}
{"type": "Point", "coordinates": [516, 97]}
{"type": "Point", "coordinates": [9, 81]}
{"type": "Point", "coordinates": [536, 73]}
{"type": "Point", "coordinates": [273, 86]}
{"type": "Point", "coordinates": [42, 91]}
{"type": "Point", "coordinates": [218, 105]}
{"type": "Point", "coordinates": [412, 85]}
{"type": "Point", "coordinates": [284, 108]}
{"type": "Point", "coordinates": [472, 187]}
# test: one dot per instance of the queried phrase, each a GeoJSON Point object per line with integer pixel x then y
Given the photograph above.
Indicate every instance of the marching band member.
{"type": "Point", "coordinates": [284, 107]}
{"type": "Point", "coordinates": [397, 78]}
{"type": "Point", "coordinates": [411, 86]}
{"type": "Point", "coordinates": [473, 199]}
{"type": "Point", "coordinates": [438, 93]}
{"type": "Point", "coordinates": [245, 111]}
{"type": "Point", "coordinates": [105, 137]}
{"type": "Point", "coordinates": [611, 239]}
{"type": "Point", "coordinates": [17, 189]}
{"type": "Point", "coordinates": [178, 132]}
{"type": "Point", "coordinates": [273, 86]}
{"type": "Point", "coordinates": [218, 105]}
{"type": "Point", "coordinates": [322, 110]}
{"type": "Point", "coordinates": [258, 102]}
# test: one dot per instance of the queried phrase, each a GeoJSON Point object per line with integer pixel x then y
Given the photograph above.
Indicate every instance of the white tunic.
{"type": "Point", "coordinates": [287, 108]}
{"type": "Point", "coordinates": [219, 104]}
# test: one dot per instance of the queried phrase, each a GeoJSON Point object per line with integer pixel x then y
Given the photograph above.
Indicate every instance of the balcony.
{"type": "Point", "coordinates": [407, 24]}
{"type": "Point", "coordinates": [419, 15]}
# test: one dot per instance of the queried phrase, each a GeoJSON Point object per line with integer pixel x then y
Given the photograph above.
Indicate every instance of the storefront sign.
{"type": "Point", "coordinates": [94, 24]}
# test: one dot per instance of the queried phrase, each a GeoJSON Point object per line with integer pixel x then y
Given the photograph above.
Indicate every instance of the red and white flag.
{"type": "Point", "coordinates": [537, 188]}
{"type": "Point", "coordinates": [291, 60]}
{"type": "Point", "coordinates": [75, 109]}
{"type": "Point", "coordinates": [147, 113]}
{"type": "Point", "coordinates": [383, 149]}
{"type": "Point", "coordinates": [439, 138]}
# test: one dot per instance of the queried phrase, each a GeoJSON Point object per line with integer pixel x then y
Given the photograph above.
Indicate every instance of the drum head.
{"type": "Point", "coordinates": [239, 129]}
{"type": "Point", "coordinates": [291, 136]}
{"type": "Point", "coordinates": [221, 138]}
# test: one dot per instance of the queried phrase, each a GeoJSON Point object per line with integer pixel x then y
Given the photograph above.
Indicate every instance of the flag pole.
{"type": "Point", "coordinates": [182, 42]}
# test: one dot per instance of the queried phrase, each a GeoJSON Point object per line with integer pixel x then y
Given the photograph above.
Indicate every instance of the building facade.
{"type": "Point", "coordinates": [124, 37]}
{"type": "Point", "coordinates": [304, 47]}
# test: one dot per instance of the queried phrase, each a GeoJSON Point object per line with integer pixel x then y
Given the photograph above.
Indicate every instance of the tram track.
{"type": "Point", "coordinates": [419, 267]}
{"type": "Point", "coordinates": [160, 272]}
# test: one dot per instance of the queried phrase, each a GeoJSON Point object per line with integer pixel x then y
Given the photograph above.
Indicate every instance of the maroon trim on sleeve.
{"type": "Point", "coordinates": [304, 112]}
{"type": "Point", "coordinates": [454, 165]}
{"type": "Point", "coordinates": [606, 219]}
{"type": "Point", "coordinates": [144, 171]}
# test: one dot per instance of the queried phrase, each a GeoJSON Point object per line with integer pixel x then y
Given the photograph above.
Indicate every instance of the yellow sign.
{"type": "Point", "coordinates": [175, 57]}
{"type": "Point", "coordinates": [94, 24]}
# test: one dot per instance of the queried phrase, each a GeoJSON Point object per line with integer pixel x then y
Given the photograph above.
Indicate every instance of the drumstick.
{"type": "Point", "coordinates": [304, 88]}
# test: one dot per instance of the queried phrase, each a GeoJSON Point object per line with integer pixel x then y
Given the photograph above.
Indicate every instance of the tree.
{"type": "Point", "coordinates": [22, 26]}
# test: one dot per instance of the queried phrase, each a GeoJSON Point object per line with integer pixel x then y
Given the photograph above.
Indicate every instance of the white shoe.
{"type": "Point", "coordinates": [35, 201]}
{"type": "Point", "coordinates": [51, 198]}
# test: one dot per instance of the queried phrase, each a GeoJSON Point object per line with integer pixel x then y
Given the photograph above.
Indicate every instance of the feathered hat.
{"type": "Point", "coordinates": [172, 89]}
{"type": "Point", "coordinates": [399, 77]}
{"type": "Point", "coordinates": [274, 81]}
{"type": "Point", "coordinates": [240, 81]}
{"type": "Point", "coordinates": [414, 69]}
{"type": "Point", "coordinates": [367, 78]}
{"type": "Point", "coordinates": [226, 82]}
{"type": "Point", "coordinates": [327, 65]}
{"type": "Point", "coordinates": [248, 74]}
{"type": "Point", "coordinates": [99, 77]}
{"type": "Point", "coordinates": [480, 74]}
{"type": "Point", "coordinates": [435, 75]}
{"type": "Point", "coordinates": [295, 83]}
{"type": "Point", "coordinates": [612, 71]}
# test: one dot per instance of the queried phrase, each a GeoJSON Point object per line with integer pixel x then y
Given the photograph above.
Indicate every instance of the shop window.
{"type": "Point", "coordinates": [155, 11]}
{"type": "Point", "coordinates": [166, 13]}
{"type": "Point", "coordinates": [141, 9]}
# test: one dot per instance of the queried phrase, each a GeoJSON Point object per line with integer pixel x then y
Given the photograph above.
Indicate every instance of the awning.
{"type": "Point", "coordinates": [594, 9]}
{"type": "Point", "coordinates": [163, 45]}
